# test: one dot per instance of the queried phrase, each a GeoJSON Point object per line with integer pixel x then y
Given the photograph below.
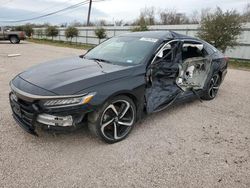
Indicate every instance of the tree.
{"type": "Point", "coordinates": [149, 14]}
{"type": "Point", "coordinates": [28, 29]}
{"type": "Point", "coordinates": [76, 23]}
{"type": "Point", "coordinates": [221, 28]}
{"type": "Point", "coordinates": [39, 33]}
{"type": "Point", "coordinates": [19, 28]}
{"type": "Point", "coordinates": [171, 17]}
{"type": "Point", "coordinates": [102, 22]}
{"type": "Point", "coordinates": [71, 32]}
{"type": "Point", "coordinates": [195, 17]}
{"type": "Point", "coordinates": [64, 24]}
{"type": "Point", "coordinates": [140, 28]}
{"type": "Point", "coordinates": [100, 33]}
{"type": "Point", "coordinates": [51, 31]}
{"type": "Point", "coordinates": [147, 17]}
{"type": "Point", "coordinates": [119, 22]}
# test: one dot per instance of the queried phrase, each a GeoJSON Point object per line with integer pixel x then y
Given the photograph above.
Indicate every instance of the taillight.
{"type": "Point", "coordinates": [22, 34]}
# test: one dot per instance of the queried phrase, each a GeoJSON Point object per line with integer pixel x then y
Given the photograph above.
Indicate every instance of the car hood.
{"type": "Point", "coordinates": [71, 75]}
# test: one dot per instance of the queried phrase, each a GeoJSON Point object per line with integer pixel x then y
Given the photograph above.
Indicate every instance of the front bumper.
{"type": "Point", "coordinates": [30, 116]}
{"type": "Point", "coordinates": [52, 120]}
{"type": "Point", "coordinates": [27, 127]}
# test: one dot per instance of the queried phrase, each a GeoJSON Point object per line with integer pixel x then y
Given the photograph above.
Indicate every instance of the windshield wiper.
{"type": "Point", "coordinates": [95, 60]}
{"type": "Point", "coordinates": [98, 62]}
{"type": "Point", "coordinates": [101, 60]}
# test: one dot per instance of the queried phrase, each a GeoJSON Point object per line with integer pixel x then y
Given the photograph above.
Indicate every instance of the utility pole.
{"type": "Point", "coordinates": [90, 4]}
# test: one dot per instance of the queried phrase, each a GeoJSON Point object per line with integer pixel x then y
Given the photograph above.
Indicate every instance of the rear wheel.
{"type": "Point", "coordinates": [114, 121]}
{"type": "Point", "coordinates": [14, 39]}
{"type": "Point", "coordinates": [212, 88]}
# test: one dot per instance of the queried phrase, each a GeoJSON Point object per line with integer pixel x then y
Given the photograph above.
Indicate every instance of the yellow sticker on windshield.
{"type": "Point", "coordinates": [148, 39]}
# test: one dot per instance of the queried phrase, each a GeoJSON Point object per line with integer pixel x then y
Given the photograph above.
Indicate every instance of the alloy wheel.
{"type": "Point", "coordinates": [214, 86]}
{"type": "Point", "coordinates": [117, 120]}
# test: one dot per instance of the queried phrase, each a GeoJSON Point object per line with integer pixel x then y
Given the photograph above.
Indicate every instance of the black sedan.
{"type": "Point", "coordinates": [116, 84]}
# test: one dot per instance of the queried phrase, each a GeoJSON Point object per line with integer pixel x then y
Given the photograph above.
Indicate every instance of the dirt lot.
{"type": "Point", "coordinates": [191, 145]}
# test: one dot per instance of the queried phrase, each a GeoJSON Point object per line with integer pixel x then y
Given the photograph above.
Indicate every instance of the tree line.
{"type": "Point", "coordinates": [50, 31]}
{"type": "Point", "coordinates": [220, 28]}
{"type": "Point", "coordinates": [70, 32]}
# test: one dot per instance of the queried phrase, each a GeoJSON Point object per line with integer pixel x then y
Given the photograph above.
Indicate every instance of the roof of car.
{"type": "Point", "coordinates": [165, 35]}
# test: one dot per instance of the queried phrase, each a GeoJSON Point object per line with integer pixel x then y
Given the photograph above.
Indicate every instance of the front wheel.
{"type": "Point", "coordinates": [114, 121]}
{"type": "Point", "coordinates": [213, 87]}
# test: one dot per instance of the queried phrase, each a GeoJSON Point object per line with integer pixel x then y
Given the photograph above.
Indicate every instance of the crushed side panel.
{"type": "Point", "coordinates": [163, 88]}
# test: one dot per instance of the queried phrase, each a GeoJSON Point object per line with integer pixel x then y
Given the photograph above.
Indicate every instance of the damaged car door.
{"type": "Point", "coordinates": [162, 89]}
{"type": "Point", "coordinates": [195, 67]}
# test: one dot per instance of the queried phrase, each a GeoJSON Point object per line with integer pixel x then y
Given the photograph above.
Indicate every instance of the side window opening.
{"type": "Point", "coordinates": [190, 50]}
{"type": "Point", "coordinates": [167, 53]}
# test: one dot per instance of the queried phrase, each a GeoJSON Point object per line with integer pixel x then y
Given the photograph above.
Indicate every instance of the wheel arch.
{"type": "Point", "coordinates": [11, 35]}
{"type": "Point", "coordinates": [138, 100]}
{"type": "Point", "coordinates": [126, 93]}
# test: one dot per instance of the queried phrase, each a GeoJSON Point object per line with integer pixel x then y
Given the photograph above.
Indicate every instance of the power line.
{"type": "Point", "coordinates": [39, 12]}
{"type": "Point", "coordinates": [71, 10]}
{"type": "Point", "coordinates": [49, 14]}
{"type": "Point", "coordinates": [43, 10]}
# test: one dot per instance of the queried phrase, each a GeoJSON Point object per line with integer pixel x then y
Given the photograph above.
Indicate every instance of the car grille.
{"type": "Point", "coordinates": [23, 111]}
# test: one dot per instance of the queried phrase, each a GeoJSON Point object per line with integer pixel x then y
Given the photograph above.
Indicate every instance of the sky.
{"type": "Point", "coordinates": [127, 10]}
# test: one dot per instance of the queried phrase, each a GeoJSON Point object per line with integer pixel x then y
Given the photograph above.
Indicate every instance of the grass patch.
{"type": "Point", "coordinates": [239, 64]}
{"type": "Point", "coordinates": [62, 44]}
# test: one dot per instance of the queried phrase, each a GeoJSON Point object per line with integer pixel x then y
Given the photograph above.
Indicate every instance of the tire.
{"type": "Point", "coordinates": [212, 88]}
{"type": "Point", "coordinates": [114, 120]}
{"type": "Point", "coordinates": [14, 39]}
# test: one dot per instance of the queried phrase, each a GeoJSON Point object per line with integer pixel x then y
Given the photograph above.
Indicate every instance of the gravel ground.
{"type": "Point", "coordinates": [190, 145]}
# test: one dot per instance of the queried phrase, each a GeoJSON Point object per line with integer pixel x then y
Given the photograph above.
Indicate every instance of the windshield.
{"type": "Point", "coordinates": [122, 50]}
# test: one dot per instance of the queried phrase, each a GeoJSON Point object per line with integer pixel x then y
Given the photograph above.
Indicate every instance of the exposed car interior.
{"type": "Point", "coordinates": [195, 67]}
{"type": "Point", "coordinates": [164, 69]}
{"type": "Point", "coordinates": [188, 60]}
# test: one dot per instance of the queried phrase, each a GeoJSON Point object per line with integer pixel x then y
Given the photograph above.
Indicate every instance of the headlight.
{"type": "Point", "coordinates": [69, 101]}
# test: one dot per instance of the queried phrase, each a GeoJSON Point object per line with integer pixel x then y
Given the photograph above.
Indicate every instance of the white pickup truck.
{"type": "Point", "coordinates": [14, 37]}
